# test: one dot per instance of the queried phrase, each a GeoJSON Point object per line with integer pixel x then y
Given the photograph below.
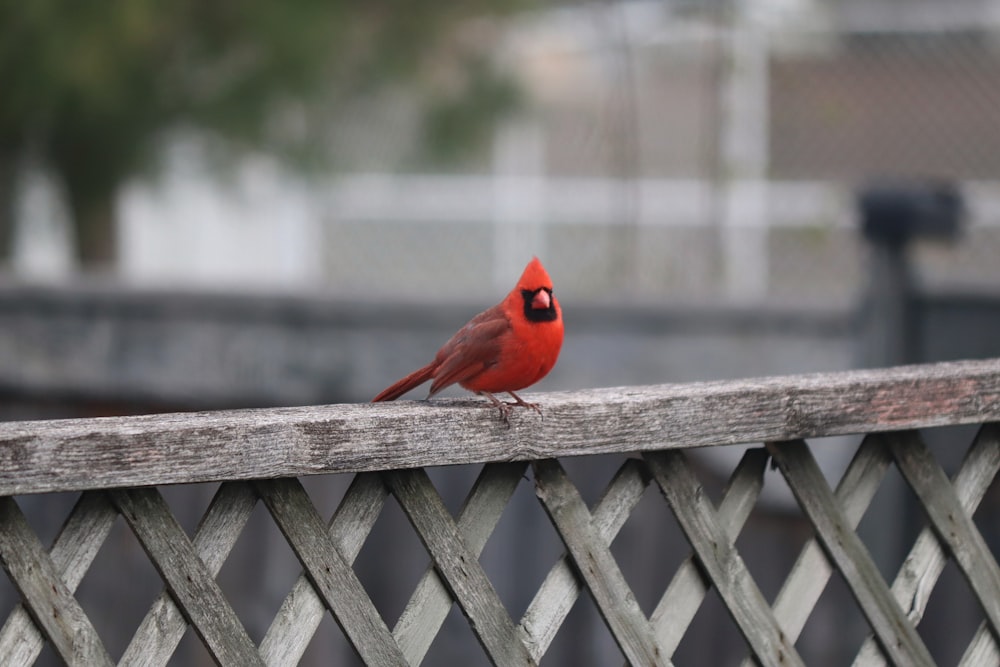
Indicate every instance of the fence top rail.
{"type": "Point", "coordinates": [76, 454]}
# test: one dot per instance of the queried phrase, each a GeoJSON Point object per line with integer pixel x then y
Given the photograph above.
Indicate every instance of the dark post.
{"type": "Point", "coordinates": [892, 215]}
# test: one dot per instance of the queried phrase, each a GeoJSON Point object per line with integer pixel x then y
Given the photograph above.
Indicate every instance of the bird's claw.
{"type": "Point", "coordinates": [506, 408]}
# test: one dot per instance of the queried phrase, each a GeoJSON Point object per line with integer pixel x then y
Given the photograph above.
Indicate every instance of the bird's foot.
{"type": "Point", "coordinates": [507, 408]}
{"type": "Point", "coordinates": [524, 404]}
{"type": "Point", "coordinates": [504, 408]}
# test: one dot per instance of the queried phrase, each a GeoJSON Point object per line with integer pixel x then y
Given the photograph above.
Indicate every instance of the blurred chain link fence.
{"type": "Point", "coordinates": [701, 156]}
{"type": "Point", "coordinates": [666, 152]}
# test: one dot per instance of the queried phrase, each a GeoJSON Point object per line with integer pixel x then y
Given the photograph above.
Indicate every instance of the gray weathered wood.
{"type": "Point", "coordinates": [459, 567]}
{"type": "Point", "coordinates": [72, 553]}
{"type": "Point", "coordinates": [812, 570]}
{"type": "Point", "coordinates": [428, 608]}
{"type": "Point", "coordinates": [897, 636]}
{"type": "Point", "coordinates": [190, 583]}
{"type": "Point", "coordinates": [954, 527]}
{"type": "Point", "coordinates": [46, 596]}
{"type": "Point", "coordinates": [596, 565]}
{"type": "Point", "coordinates": [330, 574]}
{"type": "Point", "coordinates": [303, 609]}
{"type": "Point", "coordinates": [252, 444]}
{"type": "Point", "coordinates": [686, 591]}
{"type": "Point", "coordinates": [982, 650]}
{"type": "Point", "coordinates": [927, 559]}
{"type": "Point", "coordinates": [161, 630]}
{"type": "Point", "coordinates": [561, 587]}
{"type": "Point", "coordinates": [720, 559]}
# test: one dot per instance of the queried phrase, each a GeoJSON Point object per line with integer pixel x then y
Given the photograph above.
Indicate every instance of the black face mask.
{"type": "Point", "coordinates": [535, 314]}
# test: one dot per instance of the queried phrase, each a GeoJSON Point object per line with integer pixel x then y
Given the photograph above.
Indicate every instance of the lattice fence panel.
{"type": "Point", "coordinates": [47, 579]}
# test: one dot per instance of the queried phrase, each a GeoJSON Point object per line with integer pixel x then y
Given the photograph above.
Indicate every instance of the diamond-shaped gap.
{"type": "Point", "coordinates": [190, 651]}
{"type": "Point", "coordinates": [769, 544]}
{"type": "Point", "coordinates": [773, 536]}
{"type": "Point", "coordinates": [259, 572]}
{"type": "Point", "coordinates": [952, 616]}
{"type": "Point", "coordinates": [948, 444]}
{"type": "Point", "coordinates": [453, 484]}
{"type": "Point", "coordinates": [987, 517]}
{"type": "Point", "coordinates": [119, 588]}
{"type": "Point", "coordinates": [836, 627]}
{"type": "Point", "coordinates": [326, 491]}
{"type": "Point", "coordinates": [188, 503]}
{"type": "Point", "coordinates": [521, 551]}
{"type": "Point", "coordinates": [891, 523]}
{"type": "Point", "coordinates": [650, 548]}
{"type": "Point", "coordinates": [584, 639]}
{"type": "Point", "coordinates": [712, 638]}
{"type": "Point", "coordinates": [329, 646]}
{"type": "Point", "coordinates": [591, 474]}
{"type": "Point", "coordinates": [47, 512]}
{"type": "Point", "coordinates": [391, 562]}
{"type": "Point", "coordinates": [456, 644]}
{"type": "Point", "coordinates": [48, 657]}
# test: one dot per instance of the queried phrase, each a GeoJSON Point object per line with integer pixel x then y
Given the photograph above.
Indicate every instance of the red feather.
{"type": "Point", "coordinates": [502, 349]}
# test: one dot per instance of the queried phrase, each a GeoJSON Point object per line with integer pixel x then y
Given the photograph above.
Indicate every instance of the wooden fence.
{"type": "Point", "coordinates": [117, 463]}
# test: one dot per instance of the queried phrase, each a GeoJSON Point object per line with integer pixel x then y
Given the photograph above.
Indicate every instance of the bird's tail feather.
{"type": "Point", "coordinates": [414, 379]}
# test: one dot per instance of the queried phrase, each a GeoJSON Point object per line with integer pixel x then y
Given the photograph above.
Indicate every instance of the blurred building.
{"type": "Point", "coordinates": [680, 151]}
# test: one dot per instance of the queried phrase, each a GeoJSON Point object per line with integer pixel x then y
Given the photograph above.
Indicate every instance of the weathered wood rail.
{"type": "Point", "coordinates": [258, 454]}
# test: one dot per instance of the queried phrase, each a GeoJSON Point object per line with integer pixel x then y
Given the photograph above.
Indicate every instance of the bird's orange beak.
{"type": "Point", "coordinates": [542, 300]}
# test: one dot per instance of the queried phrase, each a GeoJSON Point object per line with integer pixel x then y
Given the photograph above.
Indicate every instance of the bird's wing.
{"type": "Point", "coordinates": [474, 348]}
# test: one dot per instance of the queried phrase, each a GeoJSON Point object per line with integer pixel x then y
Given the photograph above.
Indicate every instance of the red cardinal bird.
{"type": "Point", "coordinates": [508, 347]}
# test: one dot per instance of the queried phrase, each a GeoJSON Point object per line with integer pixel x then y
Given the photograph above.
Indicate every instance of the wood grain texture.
{"type": "Point", "coordinates": [926, 561]}
{"type": "Point", "coordinates": [330, 573]}
{"type": "Point", "coordinates": [72, 553]}
{"type": "Point", "coordinates": [190, 583]}
{"type": "Point", "coordinates": [459, 568]}
{"type": "Point", "coordinates": [81, 454]}
{"type": "Point", "coordinates": [812, 570]}
{"type": "Point", "coordinates": [720, 560]}
{"type": "Point", "coordinates": [562, 586]}
{"type": "Point", "coordinates": [597, 566]}
{"type": "Point", "coordinates": [896, 635]}
{"type": "Point", "coordinates": [680, 603]}
{"type": "Point", "coordinates": [161, 630]}
{"type": "Point", "coordinates": [430, 603]}
{"type": "Point", "coordinates": [47, 598]}
{"type": "Point", "coordinates": [953, 525]}
{"type": "Point", "coordinates": [302, 610]}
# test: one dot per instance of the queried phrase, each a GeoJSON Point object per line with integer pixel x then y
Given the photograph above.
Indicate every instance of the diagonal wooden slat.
{"type": "Point", "coordinates": [303, 609]}
{"type": "Point", "coordinates": [164, 625]}
{"type": "Point", "coordinates": [428, 607]}
{"type": "Point", "coordinates": [72, 553]}
{"type": "Point", "coordinates": [896, 635]}
{"type": "Point", "coordinates": [812, 570]}
{"type": "Point", "coordinates": [46, 596]}
{"type": "Point", "coordinates": [561, 588]}
{"type": "Point", "coordinates": [720, 559]}
{"type": "Point", "coordinates": [330, 574]}
{"type": "Point", "coordinates": [954, 527]}
{"type": "Point", "coordinates": [686, 591]}
{"type": "Point", "coordinates": [458, 566]}
{"type": "Point", "coordinates": [926, 560]}
{"type": "Point", "coordinates": [186, 576]}
{"type": "Point", "coordinates": [596, 565]}
{"type": "Point", "coordinates": [982, 650]}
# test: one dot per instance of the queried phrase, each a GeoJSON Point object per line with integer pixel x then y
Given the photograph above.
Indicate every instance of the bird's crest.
{"type": "Point", "coordinates": [534, 277]}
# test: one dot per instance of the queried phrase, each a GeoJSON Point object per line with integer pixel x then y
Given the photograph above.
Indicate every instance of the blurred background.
{"type": "Point", "coordinates": [214, 205]}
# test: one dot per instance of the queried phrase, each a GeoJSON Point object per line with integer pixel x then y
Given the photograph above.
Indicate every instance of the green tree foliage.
{"type": "Point", "coordinates": [91, 89]}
